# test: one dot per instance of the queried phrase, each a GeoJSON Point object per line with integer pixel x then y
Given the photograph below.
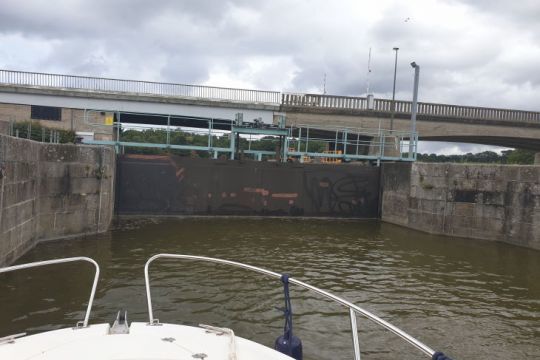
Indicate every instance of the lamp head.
{"type": "Point", "coordinates": [396, 49]}
{"type": "Point", "coordinates": [413, 64]}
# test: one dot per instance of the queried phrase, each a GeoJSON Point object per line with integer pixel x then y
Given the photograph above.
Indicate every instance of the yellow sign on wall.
{"type": "Point", "coordinates": [109, 119]}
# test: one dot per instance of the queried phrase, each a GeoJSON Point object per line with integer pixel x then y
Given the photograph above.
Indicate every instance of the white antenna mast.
{"type": "Point", "coordinates": [324, 84]}
{"type": "Point", "coordinates": [368, 72]}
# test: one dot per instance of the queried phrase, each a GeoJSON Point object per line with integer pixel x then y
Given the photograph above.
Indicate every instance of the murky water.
{"type": "Point", "coordinates": [471, 299]}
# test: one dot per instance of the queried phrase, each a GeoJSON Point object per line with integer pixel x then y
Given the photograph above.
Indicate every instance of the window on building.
{"type": "Point", "coordinates": [46, 113]}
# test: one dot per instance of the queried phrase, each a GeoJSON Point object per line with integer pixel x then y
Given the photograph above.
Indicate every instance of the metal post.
{"type": "Point", "coordinates": [307, 139]}
{"type": "Point", "coordinates": [118, 124]}
{"type": "Point", "coordinates": [396, 49]}
{"type": "Point", "coordinates": [354, 328]}
{"type": "Point", "coordinates": [344, 143]}
{"type": "Point", "coordinates": [299, 138]}
{"type": "Point", "coordinates": [416, 136]}
{"type": "Point", "coordinates": [233, 145]}
{"type": "Point", "coordinates": [382, 146]}
{"type": "Point", "coordinates": [357, 142]}
{"type": "Point", "coordinates": [210, 126]}
{"type": "Point", "coordinates": [285, 148]}
{"type": "Point", "coordinates": [168, 130]}
{"type": "Point", "coordinates": [414, 108]}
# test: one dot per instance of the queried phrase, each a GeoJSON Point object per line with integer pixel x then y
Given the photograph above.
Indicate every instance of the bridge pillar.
{"type": "Point", "coordinates": [537, 158]}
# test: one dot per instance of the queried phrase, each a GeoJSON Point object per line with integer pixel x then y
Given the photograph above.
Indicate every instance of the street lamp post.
{"type": "Point", "coordinates": [414, 109]}
{"type": "Point", "coordinates": [396, 49]}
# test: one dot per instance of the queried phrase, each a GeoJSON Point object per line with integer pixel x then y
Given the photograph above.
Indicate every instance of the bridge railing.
{"type": "Point", "coordinates": [137, 87]}
{"type": "Point", "coordinates": [324, 101]}
{"type": "Point", "coordinates": [405, 107]}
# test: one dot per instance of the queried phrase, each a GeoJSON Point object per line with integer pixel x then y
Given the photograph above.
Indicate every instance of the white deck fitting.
{"type": "Point", "coordinates": [144, 342]}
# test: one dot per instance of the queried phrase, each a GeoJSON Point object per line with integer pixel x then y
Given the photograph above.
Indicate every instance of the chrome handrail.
{"type": "Point", "coordinates": [60, 261]}
{"type": "Point", "coordinates": [353, 309]}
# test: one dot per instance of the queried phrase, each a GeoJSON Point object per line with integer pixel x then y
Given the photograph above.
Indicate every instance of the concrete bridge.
{"type": "Point", "coordinates": [76, 95]}
{"type": "Point", "coordinates": [436, 122]}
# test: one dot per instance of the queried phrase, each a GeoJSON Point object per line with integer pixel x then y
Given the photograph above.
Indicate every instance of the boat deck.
{"type": "Point", "coordinates": [143, 342]}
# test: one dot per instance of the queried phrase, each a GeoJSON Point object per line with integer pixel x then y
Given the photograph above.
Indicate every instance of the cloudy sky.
{"type": "Point", "coordinates": [472, 52]}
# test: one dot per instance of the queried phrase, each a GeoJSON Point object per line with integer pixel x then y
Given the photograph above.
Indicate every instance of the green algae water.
{"type": "Point", "coordinates": [471, 299]}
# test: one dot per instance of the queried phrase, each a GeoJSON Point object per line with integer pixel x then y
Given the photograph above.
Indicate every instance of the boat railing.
{"type": "Point", "coordinates": [353, 309]}
{"type": "Point", "coordinates": [80, 324]}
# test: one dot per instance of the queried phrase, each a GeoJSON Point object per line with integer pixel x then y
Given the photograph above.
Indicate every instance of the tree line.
{"type": "Point", "coordinates": [516, 156]}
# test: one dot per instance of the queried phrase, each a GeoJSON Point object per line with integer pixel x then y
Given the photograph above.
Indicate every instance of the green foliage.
{"type": "Point", "coordinates": [517, 156]}
{"type": "Point", "coordinates": [176, 137]}
{"type": "Point", "coordinates": [35, 131]}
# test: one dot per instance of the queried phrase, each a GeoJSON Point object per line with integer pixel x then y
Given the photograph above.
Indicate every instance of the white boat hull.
{"type": "Point", "coordinates": [143, 342]}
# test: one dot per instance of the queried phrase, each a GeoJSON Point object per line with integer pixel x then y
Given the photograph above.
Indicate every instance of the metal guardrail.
{"type": "Point", "coordinates": [353, 309]}
{"type": "Point", "coordinates": [137, 87]}
{"type": "Point", "coordinates": [404, 107]}
{"type": "Point", "coordinates": [349, 143]}
{"type": "Point", "coordinates": [83, 323]}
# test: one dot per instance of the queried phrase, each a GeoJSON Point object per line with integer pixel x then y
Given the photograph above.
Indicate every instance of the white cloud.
{"type": "Point", "coordinates": [472, 52]}
{"type": "Point", "coordinates": [447, 148]}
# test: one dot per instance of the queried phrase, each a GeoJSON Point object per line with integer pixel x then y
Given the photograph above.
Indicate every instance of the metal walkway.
{"type": "Point", "coordinates": [238, 139]}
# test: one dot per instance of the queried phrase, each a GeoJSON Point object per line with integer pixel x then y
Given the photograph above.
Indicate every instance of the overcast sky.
{"type": "Point", "coordinates": [472, 52]}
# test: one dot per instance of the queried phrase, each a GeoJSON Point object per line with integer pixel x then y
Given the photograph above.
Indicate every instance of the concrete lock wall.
{"type": "Point", "coordinates": [50, 191]}
{"type": "Point", "coordinates": [171, 185]}
{"type": "Point", "coordinates": [491, 202]}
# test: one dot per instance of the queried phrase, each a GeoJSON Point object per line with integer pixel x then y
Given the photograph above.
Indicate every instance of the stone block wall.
{"type": "Point", "coordinates": [51, 191]}
{"type": "Point", "coordinates": [396, 185]}
{"type": "Point", "coordinates": [491, 202]}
